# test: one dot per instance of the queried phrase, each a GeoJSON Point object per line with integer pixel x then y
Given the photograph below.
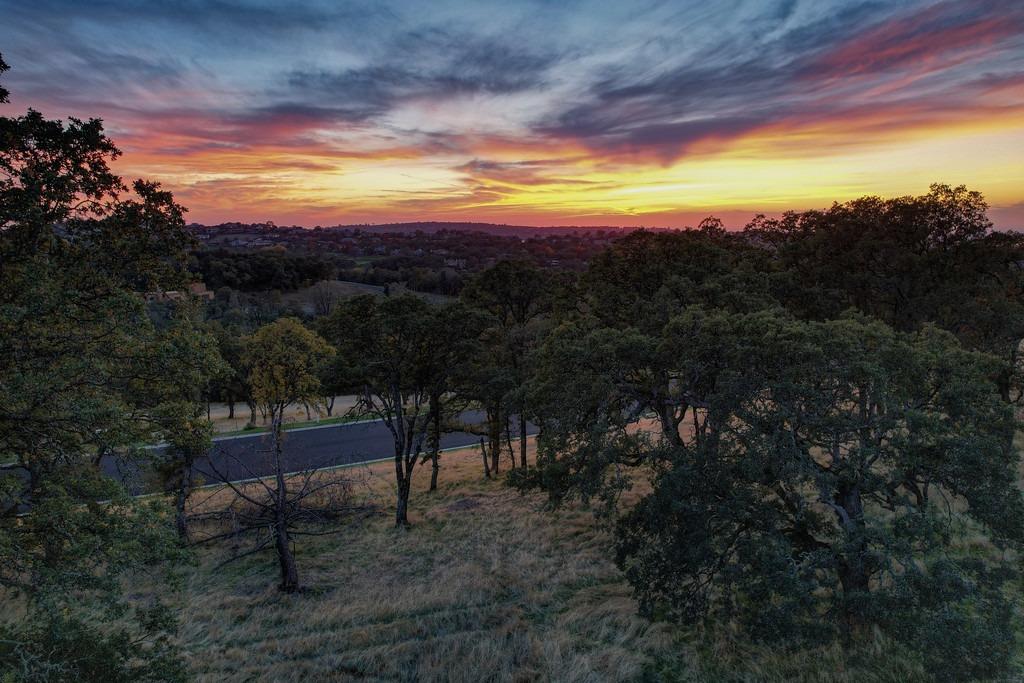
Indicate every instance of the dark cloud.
{"type": "Point", "coordinates": [230, 19]}
{"type": "Point", "coordinates": [732, 89]}
{"type": "Point", "coordinates": [428, 63]}
{"type": "Point", "coordinates": [738, 88]}
{"type": "Point", "coordinates": [912, 40]}
{"type": "Point", "coordinates": [277, 64]}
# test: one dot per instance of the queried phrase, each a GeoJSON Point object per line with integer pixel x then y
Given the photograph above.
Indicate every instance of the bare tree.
{"type": "Point", "coordinates": [265, 513]}
{"type": "Point", "coordinates": [324, 298]}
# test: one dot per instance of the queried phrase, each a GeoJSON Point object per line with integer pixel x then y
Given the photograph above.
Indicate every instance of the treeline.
{"type": "Point", "coordinates": [257, 271]}
{"type": "Point", "coordinates": [830, 401]}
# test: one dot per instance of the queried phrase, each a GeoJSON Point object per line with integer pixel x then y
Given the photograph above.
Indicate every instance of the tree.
{"type": "Point", "coordinates": [285, 360]}
{"type": "Point", "coordinates": [3, 91]}
{"type": "Point", "coordinates": [453, 345]}
{"type": "Point", "coordinates": [640, 299]}
{"type": "Point", "coordinates": [390, 348]}
{"type": "Point", "coordinates": [830, 473]}
{"type": "Point", "coordinates": [85, 375]}
{"type": "Point", "coordinates": [516, 297]}
{"type": "Point", "coordinates": [184, 447]}
{"type": "Point", "coordinates": [324, 298]}
{"type": "Point", "coordinates": [645, 278]}
{"type": "Point", "coordinates": [908, 261]}
{"type": "Point", "coordinates": [187, 430]}
{"type": "Point", "coordinates": [231, 385]}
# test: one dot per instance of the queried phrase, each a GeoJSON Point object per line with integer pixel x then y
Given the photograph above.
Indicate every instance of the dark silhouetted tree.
{"type": "Point", "coordinates": [85, 376]}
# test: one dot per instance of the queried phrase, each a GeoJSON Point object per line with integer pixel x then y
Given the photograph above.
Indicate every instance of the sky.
{"type": "Point", "coordinates": [535, 113]}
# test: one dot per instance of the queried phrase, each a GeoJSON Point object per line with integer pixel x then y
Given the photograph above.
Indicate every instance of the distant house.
{"type": "Point", "coordinates": [198, 289]}
{"type": "Point", "coordinates": [195, 289]}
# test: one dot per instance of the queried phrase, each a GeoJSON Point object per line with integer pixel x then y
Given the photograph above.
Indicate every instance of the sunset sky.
{"type": "Point", "coordinates": [602, 113]}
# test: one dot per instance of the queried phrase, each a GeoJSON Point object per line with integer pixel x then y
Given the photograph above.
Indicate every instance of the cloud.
{"type": "Point", "coordinates": [431, 64]}
{"type": "Point", "coordinates": [581, 106]}
{"type": "Point", "coordinates": [537, 172]}
{"type": "Point", "coordinates": [929, 39]}
{"type": "Point", "coordinates": [823, 71]}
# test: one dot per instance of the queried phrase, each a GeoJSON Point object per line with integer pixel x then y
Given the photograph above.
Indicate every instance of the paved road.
{"type": "Point", "coordinates": [249, 456]}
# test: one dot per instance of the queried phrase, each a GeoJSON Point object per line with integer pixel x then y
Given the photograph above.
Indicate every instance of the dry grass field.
{"type": "Point", "coordinates": [487, 585]}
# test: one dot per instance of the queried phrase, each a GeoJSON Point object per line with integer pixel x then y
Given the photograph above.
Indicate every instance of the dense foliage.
{"type": "Point", "coordinates": [85, 376]}
{"type": "Point", "coordinates": [396, 355]}
{"type": "Point", "coordinates": [824, 457]}
{"type": "Point", "coordinates": [263, 270]}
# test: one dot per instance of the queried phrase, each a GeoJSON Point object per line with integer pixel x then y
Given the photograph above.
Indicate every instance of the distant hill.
{"type": "Point", "coordinates": [430, 227]}
{"type": "Point", "coordinates": [489, 228]}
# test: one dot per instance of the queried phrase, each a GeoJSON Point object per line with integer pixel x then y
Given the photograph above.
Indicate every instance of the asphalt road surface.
{"type": "Point", "coordinates": [250, 456]}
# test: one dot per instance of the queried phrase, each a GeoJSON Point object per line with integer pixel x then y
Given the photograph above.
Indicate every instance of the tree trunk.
{"type": "Point", "coordinates": [669, 424]}
{"type": "Point", "coordinates": [494, 436]}
{"type": "Point", "coordinates": [435, 468]}
{"type": "Point", "coordinates": [854, 574]}
{"type": "Point", "coordinates": [1004, 380]}
{"type": "Point", "coordinates": [522, 439]}
{"type": "Point", "coordinates": [330, 405]}
{"type": "Point", "coordinates": [508, 441]}
{"type": "Point", "coordinates": [285, 557]}
{"type": "Point", "coordinates": [402, 508]}
{"type": "Point", "coordinates": [231, 409]}
{"type": "Point", "coordinates": [181, 498]}
{"type": "Point", "coordinates": [435, 441]}
{"type": "Point", "coordinates": [252, 412]}
{"type": "Point", "coordinates": [483, 453]}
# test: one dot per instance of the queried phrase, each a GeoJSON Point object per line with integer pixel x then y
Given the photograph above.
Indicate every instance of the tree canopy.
{"type": "Point", "coordinates": [85, 376]}
{"type": "Point", "coordinates": [818, 421]}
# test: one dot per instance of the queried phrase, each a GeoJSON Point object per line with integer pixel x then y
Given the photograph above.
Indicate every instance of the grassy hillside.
{"type": "Point", "coordinates": [487, 585]}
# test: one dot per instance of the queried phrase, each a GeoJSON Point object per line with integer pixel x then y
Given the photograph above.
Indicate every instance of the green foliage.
{"type": "Point", "coordinates": [285, 359]}
{"type": "Point", "coordinates": [645, 277]}
{"type": "Point", "coordinates": [67, 649]}
{"type": "Point", "coordinates": [66, 560]}
{"type": "Point", "coordinates": [955, 613]}
{"type": "Point", "coordinates": [86, 376]}
{"type": "Point", "coordinates": [232, 383]}
{"type": "Point", "coordinates": [907, 261]}
{"type": "Point", "coordinates": [259, 271]}
{"type": "Point", "coordinates": [808, 479]}
{"type": "Point", "coordinates": [383, 344]}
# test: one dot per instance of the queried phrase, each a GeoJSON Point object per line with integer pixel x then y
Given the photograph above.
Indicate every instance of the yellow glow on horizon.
{"type": "Point", "coordinates": [769, 170]}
